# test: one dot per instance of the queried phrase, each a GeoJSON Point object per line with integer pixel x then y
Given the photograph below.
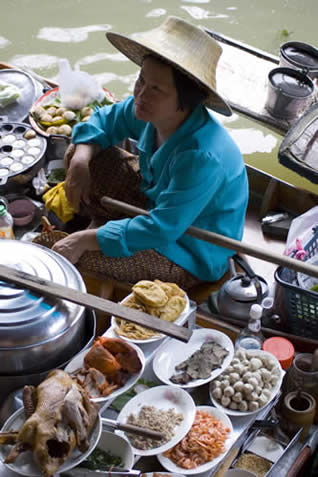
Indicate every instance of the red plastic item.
{"type": "Point", "coordinates": [282, 349]}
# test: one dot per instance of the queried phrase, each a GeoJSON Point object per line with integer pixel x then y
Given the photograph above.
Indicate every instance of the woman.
{"type": "Point", "coordinates": [191, 171]}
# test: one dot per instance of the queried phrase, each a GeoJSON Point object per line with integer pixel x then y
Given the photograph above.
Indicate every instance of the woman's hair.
{"type": "Point", "coordinates": [190, 94]}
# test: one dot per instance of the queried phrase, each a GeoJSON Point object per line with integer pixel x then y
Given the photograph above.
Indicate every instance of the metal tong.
{"type": "Point", "coordinates": [142, 431]}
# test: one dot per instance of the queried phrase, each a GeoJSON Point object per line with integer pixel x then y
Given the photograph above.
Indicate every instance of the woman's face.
{"type": "Point", "coordinates": [155, 94]}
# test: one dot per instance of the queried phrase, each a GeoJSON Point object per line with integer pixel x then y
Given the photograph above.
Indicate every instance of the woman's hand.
{"type": "Point", "coordinates": [74, 245]}
{"type": "Point", "coordinates": [77, 182]}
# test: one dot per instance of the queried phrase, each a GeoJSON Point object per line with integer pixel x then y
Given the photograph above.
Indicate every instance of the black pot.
{"type": "Point", "coordinates": [300, 56]}
{"type": "Point", "coordinates": [290, 92]}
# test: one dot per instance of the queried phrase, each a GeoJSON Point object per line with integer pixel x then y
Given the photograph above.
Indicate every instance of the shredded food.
{"type": "Point", "coordinates": [160, 420]}
{"type": "Point", "coordinates": [204, 442]}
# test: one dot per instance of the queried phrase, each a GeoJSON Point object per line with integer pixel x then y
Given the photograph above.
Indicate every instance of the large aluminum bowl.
{"type": "Point", "coordinates": [38, 333]}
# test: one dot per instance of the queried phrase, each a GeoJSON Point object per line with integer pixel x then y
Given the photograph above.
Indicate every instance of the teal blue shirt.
{"type": "Point", "coordinates": [197, 177]}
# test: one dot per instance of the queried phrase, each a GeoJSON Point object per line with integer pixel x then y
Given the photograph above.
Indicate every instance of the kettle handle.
{"type": "Point", "coordinates": [244, 265]}
{"type": "Point", "coordinates": [247, 269]}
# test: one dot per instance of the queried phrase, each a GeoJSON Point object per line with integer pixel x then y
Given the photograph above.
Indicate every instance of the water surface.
{"type": "Point", "coordinates": [37, 33]}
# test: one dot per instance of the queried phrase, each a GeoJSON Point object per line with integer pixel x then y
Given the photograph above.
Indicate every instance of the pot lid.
{"type": "Point", "coordinates": [242, 288]}
{"type": "Point", "coordinates": [19, 110]}
{"type": "Point", "coordinates": [291, 82]}
{"type": "Point", "coordinates": [27, 318]}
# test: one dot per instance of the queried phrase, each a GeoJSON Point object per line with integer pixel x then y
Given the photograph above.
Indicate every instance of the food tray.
{"type": "Point", "coordinates": [301, 304]}
{"type": "Point", "coordinates": [18, 154]}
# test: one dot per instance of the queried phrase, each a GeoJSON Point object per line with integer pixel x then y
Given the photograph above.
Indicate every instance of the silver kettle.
{"type": "Point", "coordinates": [237, 295]}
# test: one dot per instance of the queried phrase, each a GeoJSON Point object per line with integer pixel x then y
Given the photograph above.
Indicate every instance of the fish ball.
{"type": "Point", "coordinates": [228, 391]}
{"type": "Point", "coordinates": [255, 364]}
{"type": "Point", "coordinates": [237, 397]}
{"type": "Point", "coordinates": [243, 406]}
{"type": "Point", "coordinates": [233, 406]}
{"type": "Point", "coordinates": [234, 377]}
{"type": "Point", "coordinates": [253, 406]}
{"type": "Point", "coordinates": [238, 386]}
{"type": "Point", "coordinates": [217, 393]}
{"type": "Point", "coordinates": [225, 401]}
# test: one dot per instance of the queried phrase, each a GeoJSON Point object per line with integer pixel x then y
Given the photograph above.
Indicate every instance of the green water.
{"type": "Point", "coordinates": [37, 33]}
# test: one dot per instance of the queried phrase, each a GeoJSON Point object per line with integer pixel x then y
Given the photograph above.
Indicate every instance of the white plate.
{"type": "Point", "coordinates": [174, 352]}
{"type": "Point", "coordinates": [78, 362]}
{"type": "Point", "coordinates": [25, 463]}
{"type": "Point", "coordinates": [218, 414]}
{"type": "Point", "coordinates": [179, 321]}
{"type": "Point", "coordinates": [275, 389]}
{"type": "Point", "coordinates": [162, 397]}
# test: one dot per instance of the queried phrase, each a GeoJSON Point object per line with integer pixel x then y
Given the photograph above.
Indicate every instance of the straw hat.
{"type": "Point", "coordinates": [185, 46]}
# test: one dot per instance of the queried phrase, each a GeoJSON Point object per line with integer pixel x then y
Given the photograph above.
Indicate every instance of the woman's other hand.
{"type": "Point", "coordinates": [77, 182]}
{"type": "Point", "coordinates": [74, 245]}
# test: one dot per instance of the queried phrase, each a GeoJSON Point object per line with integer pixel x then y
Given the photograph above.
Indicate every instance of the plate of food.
{"type": "Point", "coordinates": [164, 300]}
{"type": "Point", "coordinates": [49, 116]}
{"type": "Point", "coordinates": [45, 443]}
{"type": "Point", "coordinates": [166, 409]}
{"type": "Point", "coordinates": [192, 364]}
{"type": "Point", "coordinates": [248, 384]}
{"type": "Point", "coordinates": [108, 369]}
{"type": "Point", "coordinates": [204, 446]}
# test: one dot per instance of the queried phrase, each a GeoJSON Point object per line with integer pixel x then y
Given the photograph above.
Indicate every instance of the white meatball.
{"type": "Point", "coordinates": [253, 382]}
{"type": "Point", "coordinates": [233, 406]}
{"type": "Point", "coordinates": [225, 383]}
{"type": "Point", "coordinates": [266, 375]}
{"type": "Point", "coordinates": [247, 376]}
{"type": "Point", "coordinates": [238, 386]}
{"type": "Point", "coordinates": [237, 397]}
{"type": "Point", "coordinates": [253, 405]}
{"type": "Point", "coordinates": [255, 364]}
{"type": "Point", "coordinates": [262, 400]}
{"type": "Point", "coordinates": [228, 391]}
{"type": "Point", "coordinates": [243, 406]}
{"type": "Point", "coordinates": [225, 401]}
{"type": "Point", "coordinates": [234, 377]}
{"type": "Point", "coordinates": [248, 388]}
{"type": "Point", "coordinates": [217, 393]}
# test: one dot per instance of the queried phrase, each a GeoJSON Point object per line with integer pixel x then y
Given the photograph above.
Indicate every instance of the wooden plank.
{"type": "Point", "coordinates": [46, 287]}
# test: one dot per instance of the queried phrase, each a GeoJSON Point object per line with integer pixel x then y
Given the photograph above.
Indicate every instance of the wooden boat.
{"type": "Point", "coordinates": [242, 77]}
{"type": "Point", "coordinates": [267, 194]}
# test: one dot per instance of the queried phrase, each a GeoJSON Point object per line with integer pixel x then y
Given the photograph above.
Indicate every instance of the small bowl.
{"type": "Point", "coordinates": [117, 445]}
{"type": "Point", "coordinates": [22, 211]}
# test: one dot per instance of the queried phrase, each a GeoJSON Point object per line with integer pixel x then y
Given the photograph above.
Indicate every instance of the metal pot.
{"type": "Point", "coordinates": [20, 158]}
{"type": "Point", "coordinates": [289, 93]}
{"type": "Point", "coordinates": [238, 294]}
{"type": "Point", "coordinates": [38, 333]}
{"type": "Point", "coordinates": [300, 56]}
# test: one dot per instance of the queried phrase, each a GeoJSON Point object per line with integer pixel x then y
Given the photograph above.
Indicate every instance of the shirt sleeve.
{"type": "Point", "coordinates": [109, 125]}
{"type": "Point", "coordinates": [194, 178]}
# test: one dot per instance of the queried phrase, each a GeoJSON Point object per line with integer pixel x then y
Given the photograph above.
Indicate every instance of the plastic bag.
{"type": "Point", "coordinates": [301, 231]}
{"type": "Point", "coordinates": [77, 88]}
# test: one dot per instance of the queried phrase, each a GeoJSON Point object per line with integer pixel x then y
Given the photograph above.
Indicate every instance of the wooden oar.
{"type": "Point", "coordinates": [46, 287]}
{"type": "Point", "coordinates": [223, 241]}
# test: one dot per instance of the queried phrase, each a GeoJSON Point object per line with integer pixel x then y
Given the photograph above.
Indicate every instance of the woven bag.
{"type": "Point", "coordinates": [48, 237]}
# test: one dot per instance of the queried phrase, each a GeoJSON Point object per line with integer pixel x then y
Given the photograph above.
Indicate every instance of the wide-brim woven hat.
{"type": "Point", "coordinates": [184, 46]}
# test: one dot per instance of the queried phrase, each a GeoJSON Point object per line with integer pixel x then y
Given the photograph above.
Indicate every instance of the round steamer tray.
{"type": "Point", "coordinates": [18, 154]}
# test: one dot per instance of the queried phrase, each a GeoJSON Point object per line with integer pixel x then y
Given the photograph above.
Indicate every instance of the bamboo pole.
{"type": "Point", "coordinates": [223, 241]}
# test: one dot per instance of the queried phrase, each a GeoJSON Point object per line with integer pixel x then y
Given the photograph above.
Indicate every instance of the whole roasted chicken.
{"type": "Point", "coordinates": [59, 418]}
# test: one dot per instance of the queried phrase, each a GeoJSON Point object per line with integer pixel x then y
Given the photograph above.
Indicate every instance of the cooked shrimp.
{"type": "Point", "coordinates": [204, 442]}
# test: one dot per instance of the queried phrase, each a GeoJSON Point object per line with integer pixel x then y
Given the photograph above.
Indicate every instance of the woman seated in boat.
{"type": "Point", "coordinates": [188, 172]}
